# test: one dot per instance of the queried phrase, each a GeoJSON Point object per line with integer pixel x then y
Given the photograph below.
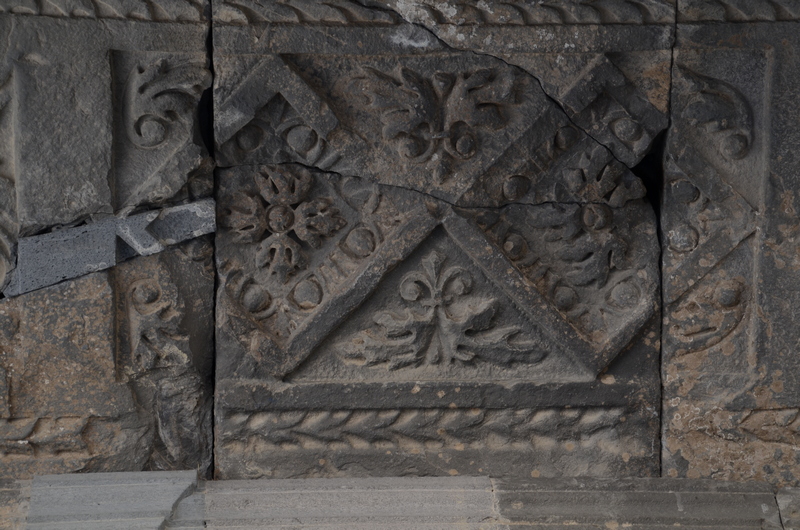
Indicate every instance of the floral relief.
{"type": "Point", "coordinates": [283, 210]}
{"type": "Point", "coordinates": [434, 120]}
{"type": "Point", "coordinates": [442, 321]}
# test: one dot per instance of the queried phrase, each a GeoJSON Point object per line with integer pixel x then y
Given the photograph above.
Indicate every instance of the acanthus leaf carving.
{"type": "Point", "coordinates": [584, 259]}
{"type": "Point", "coordinates": [443, 322]}
{"type": "Point", "coordinates": [157, 360]}
{"type": "Point", "coordinates": [433, 121]}
{"type": "Point", "coordinates": [361, 428]}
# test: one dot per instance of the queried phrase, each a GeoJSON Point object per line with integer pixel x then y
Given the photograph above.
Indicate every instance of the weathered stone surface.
{"type": "Point", "coordinates": [171, 500]}
{"type": "Point", "coordinates": [75, 397]}
{"type": "Point", "coordinates": [395, 105]}
{"type": "Point", "coordinates": [737, 10]}
{"type": "Point", "coordinates": [14, 503]}
{"type": "Point", "coordinates": [366, 329]}
{"type": "Point", "coordinates": [426, 266]}
{"type": "Point", "coordinates": [165, 350]}
{"type": "Point", "coordinates": [789, 505]}
{"type": "Point", "coordinates": [105, 112]}
{"type": "Point", "coordinates": [455, 12]}
{"type": "Point", "coordinates": [107, 501]}
{"type": "Point", "coordinates": [612, 81]}
{"type": "Point", "coordinates": [730, 255]}
{"type": "Point", "coordinates": [635, 503]}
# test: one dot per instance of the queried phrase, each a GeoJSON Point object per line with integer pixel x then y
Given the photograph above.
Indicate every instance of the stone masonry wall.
{"type": "Point", "coordinates": [295, 238]}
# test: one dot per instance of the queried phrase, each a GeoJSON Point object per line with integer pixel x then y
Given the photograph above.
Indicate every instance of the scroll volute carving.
{"type": "Point", "coordinates": [157, 137]}
{"type": "Point", "coordinates": [719, 117]}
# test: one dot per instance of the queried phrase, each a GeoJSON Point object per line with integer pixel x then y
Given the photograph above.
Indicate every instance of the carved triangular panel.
{"type": "Point", "coordinates": [437, 317]}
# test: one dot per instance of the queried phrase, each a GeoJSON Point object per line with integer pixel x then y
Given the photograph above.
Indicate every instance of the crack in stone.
{"type": "Point", "coordinates": [447, 46]}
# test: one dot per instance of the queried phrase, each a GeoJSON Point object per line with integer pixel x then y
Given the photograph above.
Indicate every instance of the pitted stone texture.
{"type": "Point", "coordinates": [68, 401]}
{"type": "Point", "coordinates": [117, 129]}
{"type": "Point", "coordinates": [635, 503]}
{"type": "Point", "coordinates": [730, 255]}
{"type": "Point", "coordinates": [107, 501]}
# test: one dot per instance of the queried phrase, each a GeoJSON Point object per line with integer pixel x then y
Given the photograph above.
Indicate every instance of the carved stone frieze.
{"type": "Point", "coordinates": [737, 10]}
{"type": "Point", "coordinates": [164, 350]}
{"type": "Point", "coordinates": [728, 225]}
{"type": "Point", "coordinates": [436, 123]}
{"type": "Point", "coordinates": [137, 10]}
{"type": "Point", "coordinates": [332, 284]}
{"type": "Point", "coordinates": [88, 384]}
{"type": "Point", "coordinates": [534, 13]}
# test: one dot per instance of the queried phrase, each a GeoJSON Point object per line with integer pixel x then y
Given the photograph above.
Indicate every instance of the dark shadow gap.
{"type": "Point", "coordinates": [651, 172]}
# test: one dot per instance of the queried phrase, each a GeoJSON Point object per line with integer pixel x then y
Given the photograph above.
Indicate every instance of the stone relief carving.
{"type": "Point", "coordinates": [532, 12]}
{"type": "Point", "coordinates": [406, 428]}
{"type": "Point", "coordinates": [157, 359]}
{"type": "Point", "coordinates": [161, 11]}
{"type": "Point", "coordinates": [585, 260]}
{"type": "Point", "coordinates": [345, 12]}
{"type": "Point", "coordinates": [708, 216]}
{"type": "Point", "coordinates": [157, 137]}
{"type": "Point", "coordinates": [279, 134]}
{"type": "Point", "coordinates": [738, 10]}
{"type": "Point", "coordinates": [443, 322]}
{"type": "Point", "coordinates": [432, 121]}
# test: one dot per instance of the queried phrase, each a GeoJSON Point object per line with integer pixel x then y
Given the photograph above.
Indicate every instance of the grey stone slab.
{"type": "Point", "coordinates": [789, 505]}
{"type": "Point", "coordinates": [730, 230]}
{"type": "Point", "coordinates": [48, 259]}
{"type": "Point", "coordinates": [635, 503]}
{"type": "Point", "coordinates": [107, 500]}
{"type": "Point", "coordinates": [346, 503]}
{"type": "Point", "coordinates": [51, 258]}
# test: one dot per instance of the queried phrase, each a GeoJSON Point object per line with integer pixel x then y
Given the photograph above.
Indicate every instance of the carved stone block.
{"type": "Point", "coordinates": [369, 323]}
{"type": "Point", "coordinates": [730, 255]}
{"type": "Point", "coordinates": [105, 113]}
{"type": "Point", "coordinates": [427, 265]}
{"type": "Point", "coordinates": [85, 388]}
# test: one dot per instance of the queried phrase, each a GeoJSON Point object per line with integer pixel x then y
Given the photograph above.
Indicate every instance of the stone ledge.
{"type": "Point", "coordinates": [177, 500]}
